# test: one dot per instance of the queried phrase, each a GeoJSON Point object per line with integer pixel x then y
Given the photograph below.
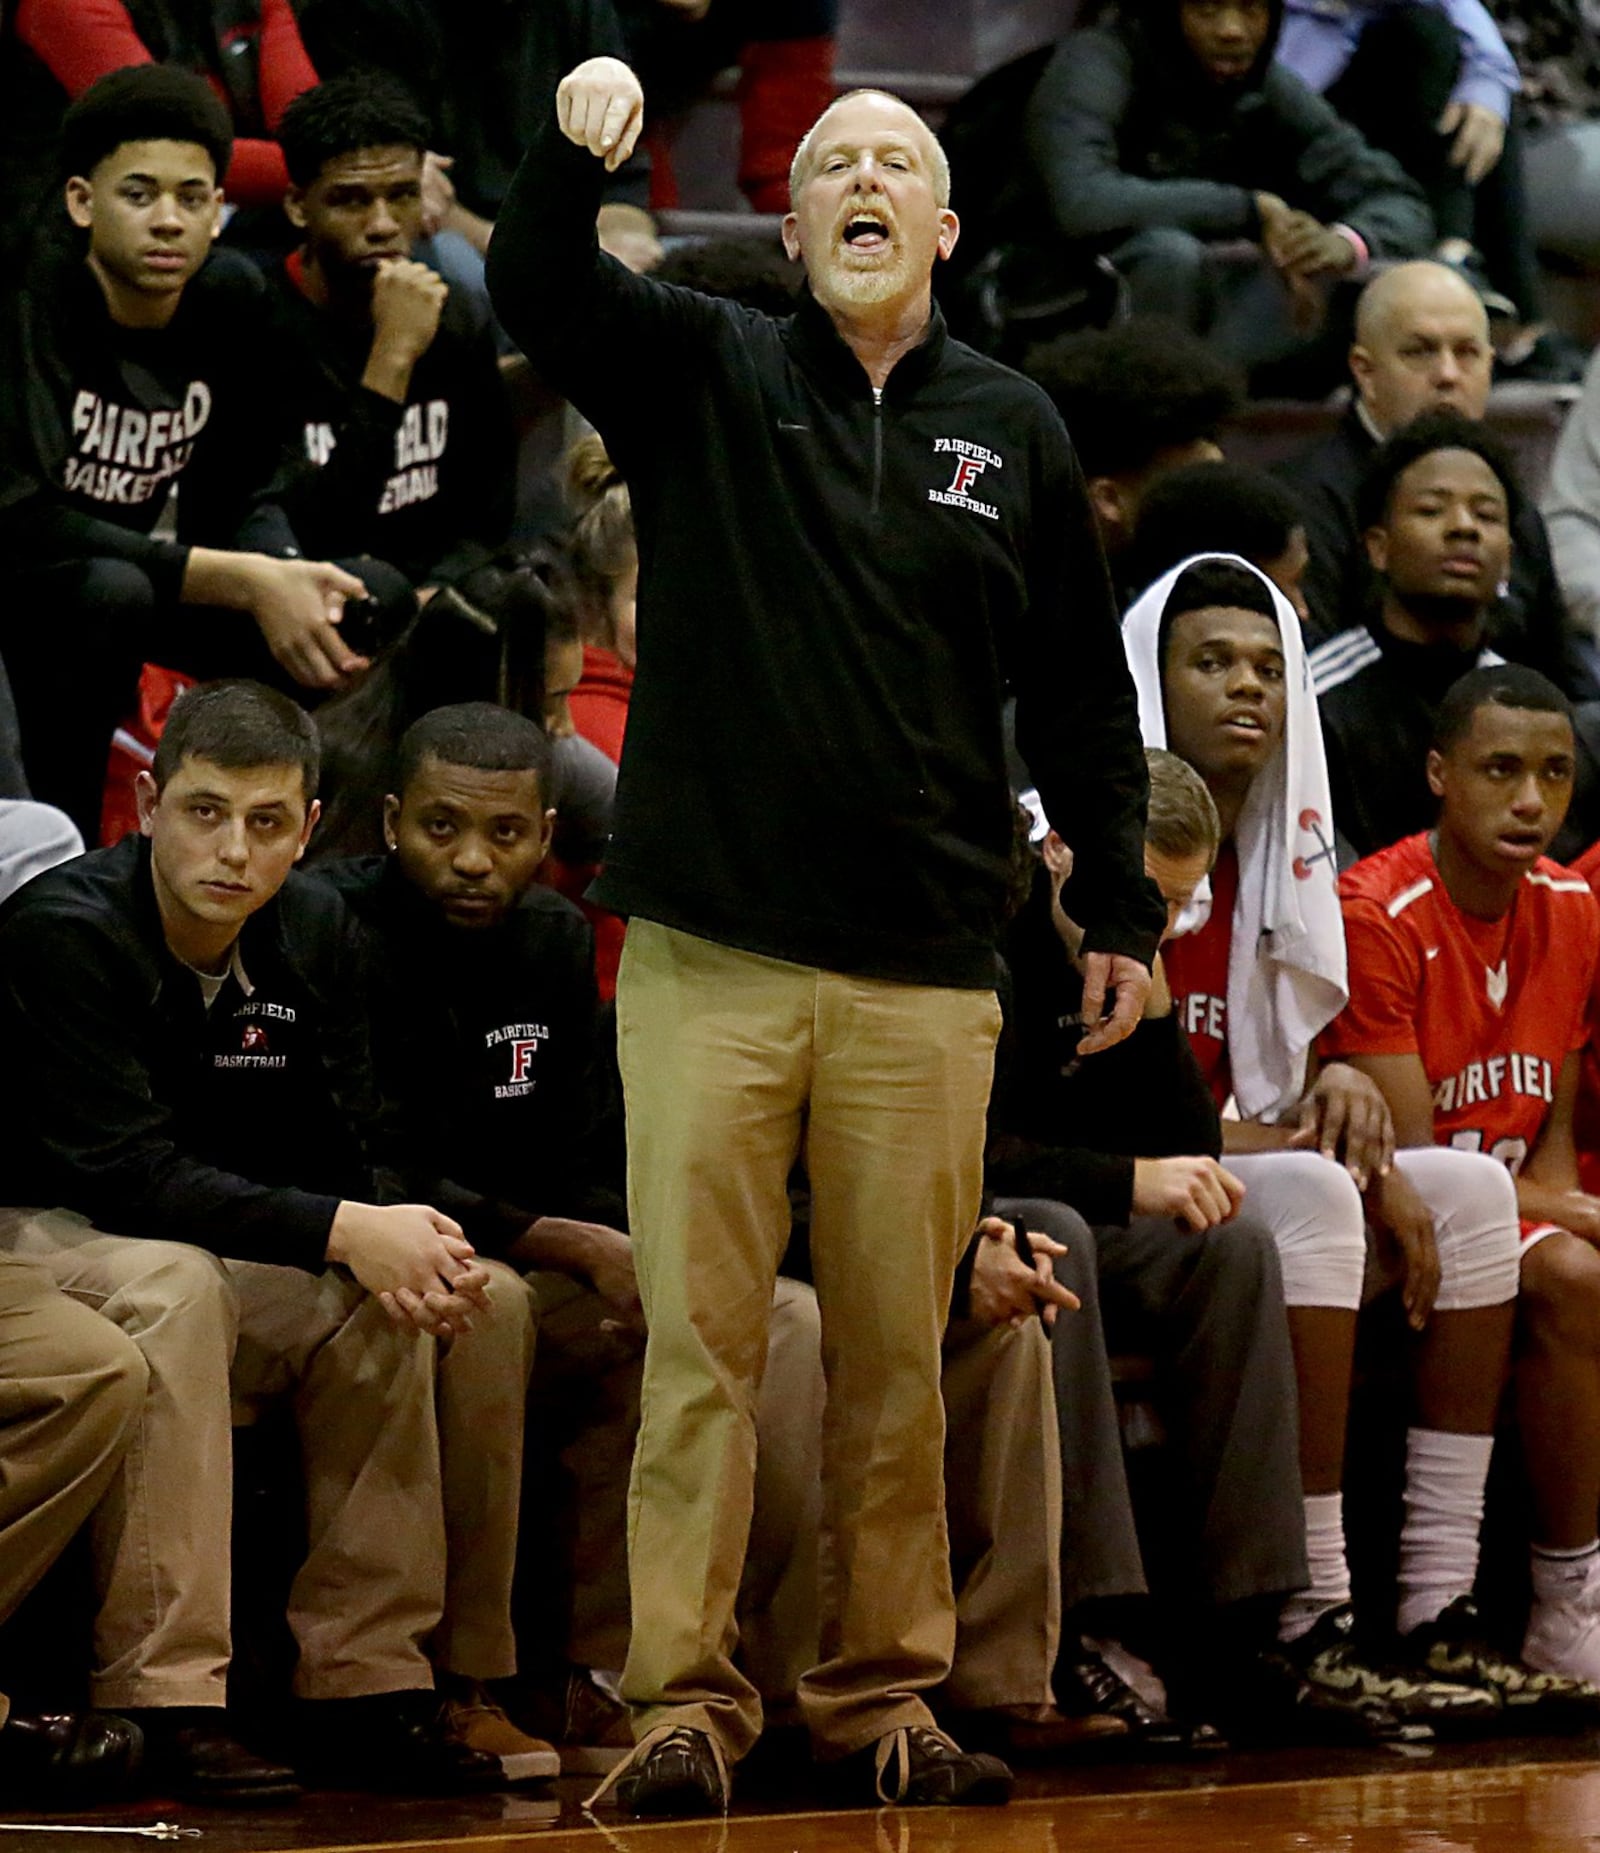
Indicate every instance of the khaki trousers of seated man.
{"type": "Point", "coordinates": [1003, 1509]}
{"type": "Point", "coordinates": [732, 1064]}
{"type": "Point", "coordinates": [371, 1588]}
{"type": "Point", "coordinates": [71, 1391]}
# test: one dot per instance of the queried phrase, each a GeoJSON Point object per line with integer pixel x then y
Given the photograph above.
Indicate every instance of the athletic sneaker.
{"type": "Point", "coordinates": [472, 1717]}
{"type": "Point", "coordinates": [919, 1767]}
{"type": "Point", "coordinates": [1320, 1687]}
{"type": "Point", "coordinates": [1564, 1637]}
{"type": "Point", "coordinates": [673, 1771]}
{"type": "Point", "coordinates": [1454, 1649]}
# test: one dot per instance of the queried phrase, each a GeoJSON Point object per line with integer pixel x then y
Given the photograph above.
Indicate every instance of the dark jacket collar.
{"type": "Point", "coordinates": [819, 347]}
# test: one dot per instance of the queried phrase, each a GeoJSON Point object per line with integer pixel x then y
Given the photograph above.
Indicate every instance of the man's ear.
{"type": "Point", "coordinates": [547, 833]}
{"type": "Point", "coordinates": [949, 232]}
{"type": "Point", "coordinates": [790, 230]}
{"type": "Point", "coordinates": [80, 202]}
{"type": "Point", "coordinates": [145, 798]}
{"type": "Point", "coordinates": [294, 207]}
{"type": "Point", "coordinates": [1360, 368]}
{"type": "Point", "coordinates": [391, 822]}
{"type": "Point", "coordinates": [1109, 502]}
{"type": "Point", "coordinates": [1377, 544]}
{"type": "Point", "coordinates": [1436, 771]}
{"type": "Point", "coordinates": [313, 813]}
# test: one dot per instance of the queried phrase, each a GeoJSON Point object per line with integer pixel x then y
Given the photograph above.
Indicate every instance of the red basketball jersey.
{"type": "Point", "coordinates": [1493, 1007]}
{"type": "Point", "coordinates": [1586, 1119]}
{"type": "Point", "coordinates": [1197, 975]}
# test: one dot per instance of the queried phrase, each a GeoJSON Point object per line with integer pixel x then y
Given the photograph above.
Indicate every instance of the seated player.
{"type": "Point", "coordinates": [1216, 658]}
{"type": "Point", "coordinates": [133, 373]}
{"type": "Point", "coordinates": [1222, 507]}
{"type": "Point", "coordinates": [1472, 962]}
{"type": "Point", "coordinates": [194, 1146]}
{"type": "Point", "coordinates": [386, 390]}
{"type": "Point", "coordinates": [1138, 400]}
{"type": "Point", "coordinates": [73, 1389]}
{"type": "Point", "coordinates": [1162, 1258]}
{"type": "Point", "coordinates": [1436, 516]}
{"type": "Point", "coordinates": [489, 1054]}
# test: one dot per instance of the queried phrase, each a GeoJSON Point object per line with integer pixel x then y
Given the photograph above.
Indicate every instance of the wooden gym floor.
{"type": "Point", "coordinates": [1511, 1797]}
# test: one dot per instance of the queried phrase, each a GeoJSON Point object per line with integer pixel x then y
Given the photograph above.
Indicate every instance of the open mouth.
{"type": "Point", "coordinates": [1247, 726]}
{"type": "Point", "coordinates": [866, 232]}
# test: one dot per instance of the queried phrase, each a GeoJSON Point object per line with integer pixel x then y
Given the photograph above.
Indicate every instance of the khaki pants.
{"type": "Point", "coordinates": [731, 1063]}
{"type": "Point", "coordinates": [371, 1589]}
{"type": "Point", "coordinates": [71, 1391]}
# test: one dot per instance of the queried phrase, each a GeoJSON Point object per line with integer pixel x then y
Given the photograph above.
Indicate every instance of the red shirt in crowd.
{"type": "Point", "coordinates": [1586, 1120]}
{"type": "Point", "coordinates": [599, 703]}
{"type": "Point", "coordinates": [81, 40]}
{"type": "Point", "coordinates": [1492, 1007]}
{"type": "Point", "coordinates": [1197, 975]}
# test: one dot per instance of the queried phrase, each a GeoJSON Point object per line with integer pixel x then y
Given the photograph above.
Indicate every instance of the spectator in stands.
{"type": "Point", "coordinates": [1217, 660]}
{"type": "Point", "coordinates": [131, 372]}
{"type": "Point", "coordinates": [1422, 344]}
{"type": "Point", "coordinates": [1472, 962]}
{"type": "Point", "coordinates": [1163, 1261]}
{"type": "Point", "coordinates": [1435, 512]}
{"type": "Point", "coordinates": [746, 270]}
{"type": "Point", "coordinates": [784, 51]}
{"type": "Point", "coordinates": [1436, 87]}
{"type": "Point", "coordinates": [1137, 400]}
{"type": "Point", "coordinates": [198, 1116]}
{"type": "Point", "coordinates": [871, 895]}
{"type": "Point", "coordinates": [1168, 131]}
{"type": "Point", "coordinates": [605, 563]}
{"type": "Point", "coordinates": [480, 73]}
{"type": "Point", "coordinates": [388, 390]}
{"type": "Point", "coordinates": [248, 52]}
{"type": "Point", "coordinates": [74, 1391]}
{"type": "Point", "coordinates": [1571, 509]}
{"type": "Point", "coordinates": [1222, 508]}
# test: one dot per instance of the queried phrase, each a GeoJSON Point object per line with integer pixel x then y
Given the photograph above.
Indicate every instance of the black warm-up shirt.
{"type": "Point", "coordinates": [836, 589]}
{"type": "Point", "coordinates": [100, 423]}
{"type": "Point", "coordinates": [1068, 1127]}
{"type": "Point", "coordinates": [487, 1053]}
{"type": "Point", "coordinates": [425, 485]}
{"type": "Point", "coordinates": [234, 1128]}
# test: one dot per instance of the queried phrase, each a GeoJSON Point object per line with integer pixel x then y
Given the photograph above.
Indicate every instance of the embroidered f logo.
{"type": "Point", "coordinates": [522, 1053]}
{"type": "Point", "coordinates": [968, 470]}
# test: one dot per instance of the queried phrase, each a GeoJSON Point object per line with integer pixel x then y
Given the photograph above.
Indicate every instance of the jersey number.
{"type": "Point", "coordinates": [1508, 1152]}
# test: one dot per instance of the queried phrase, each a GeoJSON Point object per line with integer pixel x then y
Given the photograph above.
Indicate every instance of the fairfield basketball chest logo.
{"type": "Point", "coordinates": [520, 1042]}
{"type": "Point", "coordinates": [969, 462]}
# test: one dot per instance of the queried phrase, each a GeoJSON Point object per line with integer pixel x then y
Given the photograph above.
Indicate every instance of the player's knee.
{"type": "Point", "coordinates": [1560, 1297]}
{"type": "Point", "coordinates": [1320, 1234]}
{"type": "Point", "coordinates": [1474, 1205]}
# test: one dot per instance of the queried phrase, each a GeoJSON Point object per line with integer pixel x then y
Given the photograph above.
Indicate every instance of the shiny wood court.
{"type": "Point", "coordinates": [1490, 1800]}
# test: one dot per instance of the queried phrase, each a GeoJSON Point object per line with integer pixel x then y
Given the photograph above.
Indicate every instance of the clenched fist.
{"type": "Point", "coordinates": [600, 106]}
{"type": "Point", "coordinates": [407, 300]}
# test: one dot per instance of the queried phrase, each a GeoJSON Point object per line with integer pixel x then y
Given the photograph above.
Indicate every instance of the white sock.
{"type": "Point", "coordinates": [1445, 1478]}
{"type": "Point", "coordinates": [1561, 1576]}
{"type": "Point", "coordinates": [1329, 1567]}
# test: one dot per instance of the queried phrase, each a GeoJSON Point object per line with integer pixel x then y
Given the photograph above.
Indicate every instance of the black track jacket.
{"type": "Point", "coordinates": [836, 592]}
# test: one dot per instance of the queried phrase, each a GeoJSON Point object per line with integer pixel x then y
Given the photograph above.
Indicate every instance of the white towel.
{"type": "Point", "coordinates": [1288, 907]}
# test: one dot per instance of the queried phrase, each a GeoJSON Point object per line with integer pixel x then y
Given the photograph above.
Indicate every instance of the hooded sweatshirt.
{"type": "Point", "coordinates": [1127, 133]}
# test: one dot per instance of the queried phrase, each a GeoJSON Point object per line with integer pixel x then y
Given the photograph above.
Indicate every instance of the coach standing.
{"type": "Point", "coordinates": [854, 535]}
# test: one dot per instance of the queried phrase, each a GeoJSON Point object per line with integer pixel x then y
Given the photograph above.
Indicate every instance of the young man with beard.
{"type": "Point", "coordinates": [1217, 659]}
{"type": "Point", "coordinates": [196, 1129]}
{"type": "Point", "coordinates": [135, 370]}
{"type": "Point", "coordinates": [1422, 345]}
{"type": "Point", "coordinates": [891, 528]}
{"type": "Point", "coordinates": [1435, 513]}
{"type": "Point", "coordinates": [1472, 962]}
{"type": "Point", "coordinates": [388, 392]}
{"type": "Point", "coordinates": [1170, 130]}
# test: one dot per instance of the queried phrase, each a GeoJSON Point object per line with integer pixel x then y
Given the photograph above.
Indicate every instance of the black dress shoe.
{"type": "Point", "coordinates": [1086, 1687]}
{"type": "Point", "coordinates": [391, 1743]}
{"type": "Point", "coordinates": [77, 1758]}
{"type": "Point", "coordinates": [189, 1756]}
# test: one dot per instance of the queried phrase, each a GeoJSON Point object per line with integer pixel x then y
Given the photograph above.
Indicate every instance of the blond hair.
{"type": "Point", "coordinates": [601, 544]}
{"type": "Point", "coordinates": [1183, 819]}
{"type": "Point", "coordinates": [800, 166]}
